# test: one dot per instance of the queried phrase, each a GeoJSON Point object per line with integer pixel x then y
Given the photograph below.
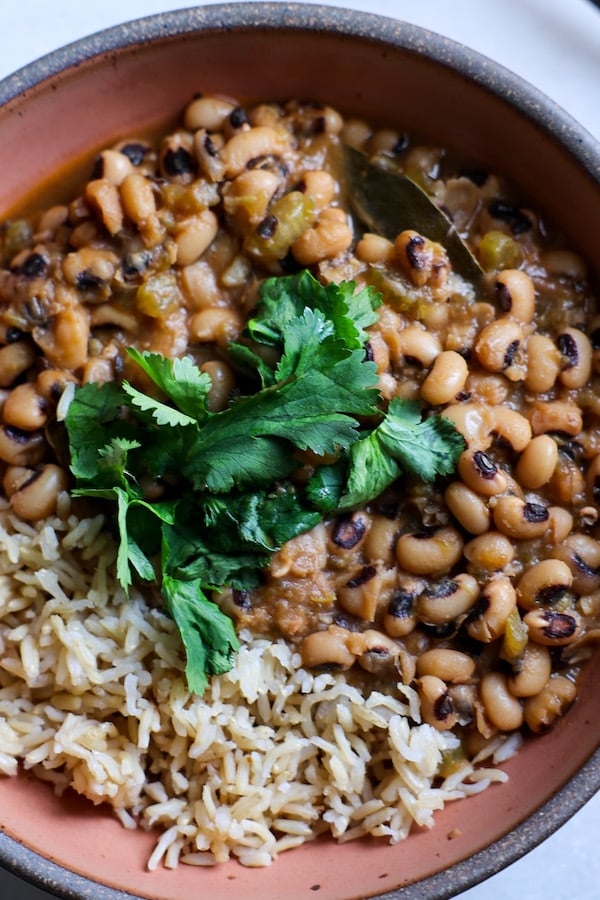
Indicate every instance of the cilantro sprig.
{"type": "Point", "coordinates": [229, 498]}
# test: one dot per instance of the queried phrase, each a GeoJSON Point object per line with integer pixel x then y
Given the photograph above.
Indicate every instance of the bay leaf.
{"type": "Point", "coordinates": [387, 202]}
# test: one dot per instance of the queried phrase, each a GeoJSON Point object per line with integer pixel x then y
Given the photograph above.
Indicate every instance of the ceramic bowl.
{"type": "Point", "coordinates": [124, 81]}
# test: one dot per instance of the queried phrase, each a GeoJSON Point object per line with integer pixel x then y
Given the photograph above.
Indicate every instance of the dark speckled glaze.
{"type": "Point", "coordinates": [541, 132]}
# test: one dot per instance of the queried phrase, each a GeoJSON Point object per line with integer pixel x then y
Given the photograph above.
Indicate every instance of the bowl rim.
{"type": "Point", "coordinates": [514, 90]}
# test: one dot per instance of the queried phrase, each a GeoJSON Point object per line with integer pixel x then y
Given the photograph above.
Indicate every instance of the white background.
{"type": "Point", "coordinates": [555, 45]}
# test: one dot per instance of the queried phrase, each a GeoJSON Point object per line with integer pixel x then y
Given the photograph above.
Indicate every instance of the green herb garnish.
{"type": "Point", "coordinates": [229, 498]}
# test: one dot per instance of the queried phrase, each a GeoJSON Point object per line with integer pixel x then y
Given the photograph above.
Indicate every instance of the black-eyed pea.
{"type": "Point", "coordinates": [422, 261]}
{"type": "Point", "coordinates": [374, 249]}
{"type": "Point", "coordinates": [15, 358]}
{"type": "Point", "coordinates": [567, 484]}
{"type": "Point", "coordinates": [25, 408]}
{"type": "Point", "coordinates": [576, 352]}
{"type": "Point", "coordinates": [543, 710]}
{"type": "Point", "coordinates": [381, 539]}
{"type": "Point", "coordinates": [499, 346]}
{"type": "Point", "coordinates": [194, 235]}
{"type": "Point", "coordinates": [247, 197]}
{"type": "Point", "coordinates": [451, 666]}
{"type": "Point", "coordinates": [244, 146]}
{"type": "Point", "coordinates": [473, 421]}
{"type": "Point", "coordinates": [511, 427]}
{"type": "Point", "coordinates": [376, 652]}
{"type": "Point", "coordinates": [52, 382]}
{"type": "Point", "coordinates": [479, 472]}
{"type": "Point", "coordinates": [37, 497]}
{"type": "Point", "coordinates": [355, 133]}
{"type": "Point", "coordinates": [487, 388]}
{"type": "Point", "coordinates": [555, 416]}
{"type": "Point", "coordinates": [552, 628]}
{"type": "Point", "coordinates": [487, 621]}
{"type": "Point", "coordinates": [321, 186]}
{"type": "Point", "coordinates": [139, 205]}
{"type": "Point", "coordinates": [502, 708]}
{"type": "Point", "coordinates": [447, 600]}
{"type": "Point", "coordinates": [581, 552]}
{"type": "Point", "coordinates": [561, 524]}
{"type": "Point", "coordinates": [537, 462]}
{"type": "Point", "coordinates": [207, 147]}
{"type": "Point", "coordinates": [565, 264]}
{"type": "Point", "coordinates": [437, 708]}
{"type": "Point", "coordinates": [89, 267]}
{"type": "Point", "coordinates": [414, 344]}
{"type": "Point", "coordinates": [103, 197]}
{"type": "Point", "coordinates": [348, 534]}
{"type": "Point", "coordinates": [207, 112]}
{"type": "Point", "coordinates": [490, 552]}
{"type": "Point", "coordinates": [429, 553]}
{"type": "Point", "coordinates": [531, 672]}
{"type": "Point", "coordinates": [222, 383]}
{"type": "Point", "coordinates": [543, 364]}
{"type": "Point", "coordinates": [400, 617]}
{"type": "Point", "coordinates": [15, 477]}
{"type": "Point", "coordinates": [446, 379]}
{"type": "Point", "coordinates": [65, 341]}
{"type": "Point", "coordinates": [21, 448]}
{"type": "Point", "coordinates": [218, 325]}
{"type": "Point", "coordinates": [330, 236]}
{"type": "Point", "coordinates": [327, 649]}
{"type": "Point", "coordinates": [114, 166]}
{"type": "Point", "coordinates": [468, 508]}
{"type": "Point", "coordinates": [360, 594]}
{"type": "Point", "coordinates": [544, 584]}
{"type": "Point", "coordinates": [520, 519]}
{"type": "Point", "coordinates": [515, 294]}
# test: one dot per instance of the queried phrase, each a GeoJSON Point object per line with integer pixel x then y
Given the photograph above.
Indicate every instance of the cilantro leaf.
{"type": "Point", "coordinates": [182, 381]}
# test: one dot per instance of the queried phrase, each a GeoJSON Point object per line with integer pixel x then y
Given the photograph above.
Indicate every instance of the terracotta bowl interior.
{"type": "Point", "coordinates": [124, 82]}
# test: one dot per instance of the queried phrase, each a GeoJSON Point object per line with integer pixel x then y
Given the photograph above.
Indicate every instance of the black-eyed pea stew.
{"type": "Point", "coordinates": [481, 591]}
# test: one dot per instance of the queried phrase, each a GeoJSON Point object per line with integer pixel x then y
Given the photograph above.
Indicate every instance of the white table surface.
{"type": "Point", "coordinates": [555, 45]}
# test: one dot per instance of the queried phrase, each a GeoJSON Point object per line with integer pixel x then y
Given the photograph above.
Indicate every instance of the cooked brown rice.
{"type": "Point", "coordinates": [93, 697]}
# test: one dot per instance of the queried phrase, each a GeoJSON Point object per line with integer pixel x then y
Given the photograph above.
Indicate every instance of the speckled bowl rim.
{"type": "Point", "coordinates": [529, 101]}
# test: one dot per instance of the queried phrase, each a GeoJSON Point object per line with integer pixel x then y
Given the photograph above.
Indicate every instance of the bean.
{"type": "Point", "coordinates": [194, 235]}
{"type": "Point", "coordinates": [112, 314]}
{"type": "Point", "coordinates": [429, 554]}
{"type": "Point", "coordinates": [543, 364]}
{"type": "Point", "coordinates": [381, 539]}
{"type": "Point", "coordinates": [415, 344]}
{"type": "Point", "coordinates": [561, 524]}
{"type": "Point", "coordinates": [37, 497]}
{"type": "Point", "coordinates": [499, 345]}
{"type": "Point", "coordinates": [576, 351]}
{"type": "Point", "coordinates": [360, 595]}
{"type": "Point", "coordinates": [544, 709]}
{"type": "Point", "coordinates": [373, 249]}
{"type": "Point", "coordinates": [515, 294]}
{"type": "Point", "coordinates": [422, 260]}
{"type": "Point", "coordinates": [247, 197]}
{"type": "Point", "coordinates": [502, 708]}
{"type": "Point", "coordinates": [15, 359]}
{"type": "Point", "coordinates": [207, 148]}
{"type": "Point", "coordinates": [556, 416]}
{"type": "Point", "coordinates": [222, 384]}
{"type": "Point", "coordinates": [262, 140]}
{"type": "Point", "coordinates": [65, 342]}
{"type": "Point", "coordinates": [511, 427]}
{"type": "Point", "coordinates": [400, 616]}
{"type": "Point", "coordinates": [568, 482]}
{"type": "Point", "coordinates": [518, 518]}
{"type": "Point", "coordinates": [103, 197]}
{"type": "Point", "coordinates": [551, 628]}
{"type": "Point", "coordinates": [467, 507]}
{"type": "Point", "coordinates": [531, 672]}
{"type": "Point", "coordinates": [446, 379]}
{"type": "Point", "coordinates": [355, 133]}
{"type": "Point", "coordinates": [437, 708]}
{"type": "Point", "coordinates": [207, 112]}
{"type": "Point", "coordinates": [581, 552]}
{"type": "Point", "coordinates": [114, 166]}
{"type": "Point", "coordinates": [487, 621]}
{"type": "Point", "coordinates": [473, 421]}
{"type": "Point", "coordinates": [219, 325]}
{"type": "Point", "coordinates": [21, 448]}
{"type": "Point", "coordinates": [447, 600]}
{"type": "Point", "coordinates": [593, 480]}
{"type": "Point", "coordinates": [89, 267]}
{"type": "Point", "coordinates": [327, 649]}
{"type": "Point", "coordinates": [480, 473]}
{"type": "Point", "coordinates": [321, 186]}
{"type": "Point", "coordinates": [490, 552]}
{"type": "Point", "coordinates": [376, 652]}
{"type": "Point", "coordinates": [544, 583]}
{"type": "Point", "coordinates": [139, 205]}
{"type": "Point", "coordinates": [330, 236]}
{"type": "Point", "coordinates": [52, 382]}
{"type": "Point", "coordinates": [25, 408]}
{"type": "Point", "coordinates": [537, 462]}
{"type": "Point", "coordinates": [446, 664]}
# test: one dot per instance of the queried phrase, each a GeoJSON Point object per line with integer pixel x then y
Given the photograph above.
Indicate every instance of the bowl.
{"type": "Point", "coordinates": [128, 80]}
